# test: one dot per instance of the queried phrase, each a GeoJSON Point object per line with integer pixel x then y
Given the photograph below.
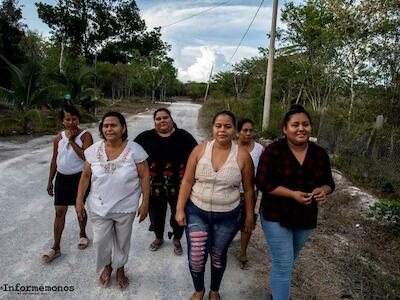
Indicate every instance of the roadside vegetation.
{"type": "Point", "coordinates": [339, 58]}
{"type": "Point", "coordinates": [99, 55]}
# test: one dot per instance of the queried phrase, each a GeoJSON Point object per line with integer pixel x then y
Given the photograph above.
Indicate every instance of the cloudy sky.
{"type": "Point", "coordinates": [209, 38]}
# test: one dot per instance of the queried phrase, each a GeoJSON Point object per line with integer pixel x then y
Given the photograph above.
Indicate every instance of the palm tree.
{"type": "Point", "coordinates": [25, 98]}
{"type": "Point", "coordinates": [77, 84]}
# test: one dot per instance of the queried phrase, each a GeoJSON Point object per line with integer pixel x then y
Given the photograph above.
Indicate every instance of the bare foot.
{"type": "Point", "coordinates": [122, 280]}
{"type": "Point", "coordinates": [105, 276]}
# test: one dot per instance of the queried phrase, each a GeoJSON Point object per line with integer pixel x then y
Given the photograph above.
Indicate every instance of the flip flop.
{"type": "Point", "coordinates": [244, 264]}
{"type": "Point", "coordinates": [50, 255]}
{"type": "Point", "coordinates": [177, 247]}
{"type": "Point", "coordinates": [156, 244]}
{"type": "Point", "coordinates": [83, 243]}
{"type": "Point", "coordinates": [198, 297]}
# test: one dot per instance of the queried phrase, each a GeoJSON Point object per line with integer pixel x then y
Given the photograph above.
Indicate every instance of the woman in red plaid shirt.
{"type": "Point", "coordinates": [294, 175]}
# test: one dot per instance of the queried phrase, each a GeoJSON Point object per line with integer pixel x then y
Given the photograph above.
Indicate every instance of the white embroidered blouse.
{"type": "Point", "coordinates": [115, 184]}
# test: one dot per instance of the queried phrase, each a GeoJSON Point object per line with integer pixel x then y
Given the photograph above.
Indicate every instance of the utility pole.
{"type": "Point", "coordinates": [268, 81]}
{"type": "Point", "coordinates": [208, 84]}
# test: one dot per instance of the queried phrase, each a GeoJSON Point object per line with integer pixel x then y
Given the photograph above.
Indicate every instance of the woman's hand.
{"type": "Point", "coordinates": [143, 211]}
{"type": "Point", "coordinates": [71, 134]}
{"type": "Point", "coordinates": [80, 209]}
{"type": "Point", "coordinates": [180, 217]}
{"type": "Point", "coordinates": [249, 224]}
{"type": "Point", "coordinates": [320, 194]}
{"type": "Point", "coordinates": [50, 190]}
{"type": "Point", "coordinates": [302, 198]}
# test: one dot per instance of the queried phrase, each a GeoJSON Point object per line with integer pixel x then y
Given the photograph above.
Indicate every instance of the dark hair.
{"type": "Point", "coordinates": [71, 110]}
{"type": "Point", "coordinates": [121, 119]}
{"type": "Point", "coordinates": [243, 121]}
{"type": "Point", "coordinates": [295, 109]}
{"type": "Point", "coordinates": [228, 113]}
{"type": "Point", "coordinates": [166, 110]}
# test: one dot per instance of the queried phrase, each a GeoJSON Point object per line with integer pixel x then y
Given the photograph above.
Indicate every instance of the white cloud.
{"type": "Point", "coordinates": [221, 18]}
{"type": "Point", "coordinates": [200, 70]}
{"type": "Point", "coordinates": [210, 38]}
{"type": "Point", "coordinates": [203, 57]}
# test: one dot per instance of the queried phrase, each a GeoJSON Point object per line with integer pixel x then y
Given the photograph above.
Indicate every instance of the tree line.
{"type": "Point", "coordinates": [341, 60]}
{"type": "Point", "coordinates": [98, 49]}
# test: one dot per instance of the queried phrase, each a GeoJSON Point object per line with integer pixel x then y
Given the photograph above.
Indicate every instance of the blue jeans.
{"type": "Point", "coordinates": [284, 246]}
{"type": "Point", "coordinates": [210, 233]}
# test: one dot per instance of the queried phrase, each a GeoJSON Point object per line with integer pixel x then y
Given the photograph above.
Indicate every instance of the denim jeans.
{"type": "Point", "coordinates": [210, 233]}
{"type": "Point", "coordinates": [284, 246]}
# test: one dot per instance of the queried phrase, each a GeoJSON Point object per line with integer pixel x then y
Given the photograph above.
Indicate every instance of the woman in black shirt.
{"type": "Point", "coordinates": [168, 148]}
{"type": "Point", "coordinates": [294, 175]}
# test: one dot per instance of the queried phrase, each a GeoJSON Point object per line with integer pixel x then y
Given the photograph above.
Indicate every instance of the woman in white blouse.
{"type": "Point", "coordinates": [118, 173]}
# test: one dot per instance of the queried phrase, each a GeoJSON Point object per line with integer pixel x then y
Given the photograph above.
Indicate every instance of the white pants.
{"type": "Point", "coordinates": [112, 238]}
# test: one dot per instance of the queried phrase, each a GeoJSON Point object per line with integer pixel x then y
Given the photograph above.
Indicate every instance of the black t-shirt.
{"type": "Point", "coordinates": [167, 155]}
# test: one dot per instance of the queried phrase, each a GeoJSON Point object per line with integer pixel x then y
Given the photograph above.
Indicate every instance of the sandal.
{"type": "Point", "coordinates": [244, 263]}
{"type": "Point", "coordinates": [83, 243]}
{"type": "Point", "coordinates": [156, 244]}
{"type": "Point", "coordinates": [50, 255]}
{"type": "Point", "coordinates": [177, 247]}
{"type": "Point", "coordinates": [214, 296]}
{"type": "Point", "coordinates": [198, 297]}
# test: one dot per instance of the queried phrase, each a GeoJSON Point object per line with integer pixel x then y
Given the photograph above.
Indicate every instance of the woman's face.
{"type": "Point", "coordinates": [70, 122]}
{"type": "Point", "coordinates": [298, 129]}
{"type": "Point", "coordinates": [112, 129]}
{"type": "Point", "coordinates": [163, 122]}
{"type": "Point", "coordinates": [223, 129]}
{"type": "Point", "coordinates": [246, 134]}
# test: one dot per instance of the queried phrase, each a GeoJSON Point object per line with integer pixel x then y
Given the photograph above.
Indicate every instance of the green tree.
{"type": "Point", "coordinates": [33, 47]}
{"type": "Point", "coordinates": [224, 82]}
{"type": "Point", "coordinates": [310, 28]}
{"type": "Point", "coordinates": [351, 40]}
{"type": "Point", "coordinates": [384, 20]}
{"type": "Point", "coordinates": [114, 26]}
{"type": "Point", "coordinates": [158, 69]}
{"type": "Point", "coordinates": [25, 98]}
{"type": "Point", "coordinates": [82, 25]}
{"type": "Point", "coordinates": [11, 33]}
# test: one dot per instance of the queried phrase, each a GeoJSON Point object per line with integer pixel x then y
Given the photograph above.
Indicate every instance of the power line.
{"type": "Point", "coordinates": [248, 28]}
{"type": "Point", "coordinates": [194, 15]}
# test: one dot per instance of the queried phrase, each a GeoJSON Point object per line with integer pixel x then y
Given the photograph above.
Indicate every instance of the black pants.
{"type": "Point", "coordinates": [158, 212]}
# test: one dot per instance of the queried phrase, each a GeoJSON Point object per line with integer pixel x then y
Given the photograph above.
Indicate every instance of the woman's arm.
{"type": "Point", "coordinates": [248, 187]}
{"type": "Point", "coordinates": [53, 166]}
{"type": "Point", "coordinates": [83, 185]}
{"type": "Point", "coordinates": [87, 141]}
{"type": "Point", "coordinates": [144, 175]}
{"type": "Point", "coordinates": [187, 183]}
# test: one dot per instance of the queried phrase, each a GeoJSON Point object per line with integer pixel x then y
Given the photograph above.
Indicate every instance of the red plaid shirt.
{"type": "Point", "coordinates": [279, 167]}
